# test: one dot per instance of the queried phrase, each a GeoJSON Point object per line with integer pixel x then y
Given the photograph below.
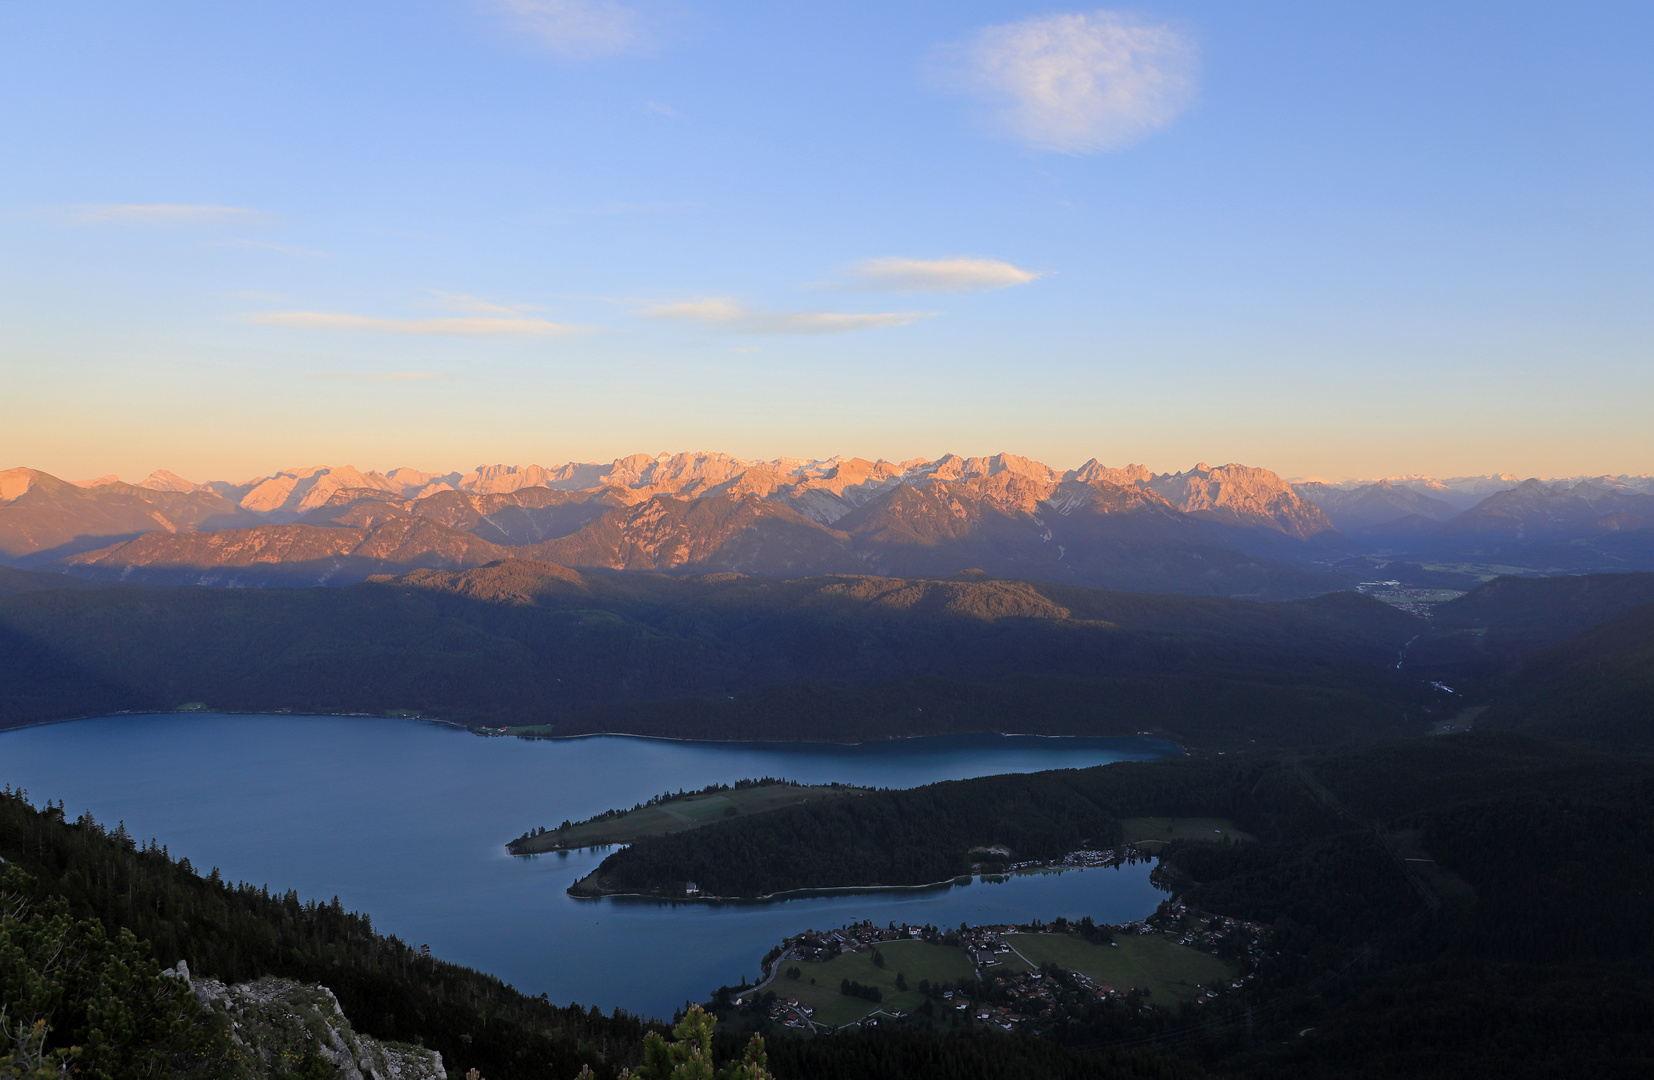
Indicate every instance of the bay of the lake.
{"type": "Point", "coordinates": [407, 821]}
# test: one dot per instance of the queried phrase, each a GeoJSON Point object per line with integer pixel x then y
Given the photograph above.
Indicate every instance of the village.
{"type": "Point", "coordinates": [1002, 977]}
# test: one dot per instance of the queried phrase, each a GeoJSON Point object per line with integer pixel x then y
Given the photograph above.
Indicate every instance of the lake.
{"type": "Point", "coordinates": [407, 821]}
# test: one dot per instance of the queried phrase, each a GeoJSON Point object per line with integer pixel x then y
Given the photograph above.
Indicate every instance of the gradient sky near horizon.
{"type": "Point", "coordinates": [1331, 239]}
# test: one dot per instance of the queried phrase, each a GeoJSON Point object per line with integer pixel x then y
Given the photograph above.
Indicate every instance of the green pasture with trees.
{"type": "Point", "coordinates": [1163, 830]}
{"type": "Point", "coordinates": [906, 965]}
{"type": "Point", "coordinates": [1172, 973]}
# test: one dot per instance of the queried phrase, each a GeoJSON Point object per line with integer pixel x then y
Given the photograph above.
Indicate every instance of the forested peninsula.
{"type": "Point", "coordinates": [939, 831]}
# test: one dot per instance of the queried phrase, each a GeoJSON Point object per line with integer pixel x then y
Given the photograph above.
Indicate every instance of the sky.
{"type": "Point", "coordinates": [1341, 240]}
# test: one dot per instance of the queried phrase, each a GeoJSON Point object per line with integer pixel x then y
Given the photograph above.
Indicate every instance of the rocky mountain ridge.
{"type": "Point", "coordinates": [1232, 529]}
{"type": "Point", "coordinates": [820, 489]}
{"type": "Point", "coordinates": [1012, 519]}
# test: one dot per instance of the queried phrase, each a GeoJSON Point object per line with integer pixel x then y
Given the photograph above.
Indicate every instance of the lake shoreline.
{"type": "Point", "coordinates": [957, 881]}
{"type": "Point", "coordinates": [407, 821]}
{"type": "Point", "coordinates": [483, 731]}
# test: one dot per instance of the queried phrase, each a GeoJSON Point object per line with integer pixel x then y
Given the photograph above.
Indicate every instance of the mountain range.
{"type": "Point", "coordinates": [1229, 529]}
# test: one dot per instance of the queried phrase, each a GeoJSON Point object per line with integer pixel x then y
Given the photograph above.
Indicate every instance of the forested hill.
{"type": "Point", "coordinates": [842, 658]}
{"type": "Point", "coordinates": [1595, 688]}
{"type": "Point", "coordinates": [1567, 657]}
{"type": "Point", "coordinates": [1524, 613]}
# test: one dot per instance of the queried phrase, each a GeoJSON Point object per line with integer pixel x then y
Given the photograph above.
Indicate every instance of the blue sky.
{"type": "Point", "coordinates": [1330, 239]}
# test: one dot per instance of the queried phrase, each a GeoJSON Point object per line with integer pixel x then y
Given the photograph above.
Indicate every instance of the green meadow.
{"type": "Point", "coordinates": [915, 960]}
{"type": "Point", "coordinates": [1169, 971]}
{"type": "Point", "coordinates": [1145, 830]}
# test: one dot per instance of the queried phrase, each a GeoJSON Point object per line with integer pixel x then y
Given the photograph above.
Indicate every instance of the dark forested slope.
{"type": "Point", "coordinates": [1567, 657]}
{"type": "Point", "coordinates": [520, 643]}
{"type": "Point", "coordinates": [1595, 688]}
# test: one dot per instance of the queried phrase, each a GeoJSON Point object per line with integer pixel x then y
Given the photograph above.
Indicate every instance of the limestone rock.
{"type": "Point", "coordinates": [276, 1023]}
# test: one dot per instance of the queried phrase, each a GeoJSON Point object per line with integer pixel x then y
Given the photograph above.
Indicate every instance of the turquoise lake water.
{"type": "Point", "coordinates": [407, 821]}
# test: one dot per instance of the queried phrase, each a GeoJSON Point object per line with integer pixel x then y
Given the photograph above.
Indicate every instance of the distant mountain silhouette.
{"type": "Point", "coordinates": [1377, 505]}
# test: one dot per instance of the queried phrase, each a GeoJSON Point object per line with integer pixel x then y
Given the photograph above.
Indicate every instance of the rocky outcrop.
{"type": "Point", "coordinates": [277, 1024]}
{"type": "Point", "coordinates": [294, 491]}
{"type": "Point", "coordinates": [1241, 495]}
{"type": "Point", "coordinates": [162, 480]}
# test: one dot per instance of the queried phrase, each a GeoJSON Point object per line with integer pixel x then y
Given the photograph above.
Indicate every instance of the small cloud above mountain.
{"type": "Point", "coordinates": [961, 274]}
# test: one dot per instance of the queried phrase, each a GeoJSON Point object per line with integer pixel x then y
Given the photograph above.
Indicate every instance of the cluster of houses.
{"type": "Point", "coordinates": [983, 944]}
{"type": "Point", "coordinates": [1028, 994]}
{"type": "Point", "coordinates": [1074, 860]}
{"type": "Point", "coordinates": [1019, 998]}
{"type": "Point", "coordinates": [1212, 932]}
{"type": "Point", "coordinates": [824, 945]}
{"type": "Point", "coordinates": [1023, 997]}
{"type": "Point", "coordinates": [791, 1013]}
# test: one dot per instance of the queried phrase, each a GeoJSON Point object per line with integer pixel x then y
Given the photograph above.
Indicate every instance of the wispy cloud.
{"type": "Point", "coordinates": [938, 275]}
{"type": "Point", "coordinates": [722, 313]}
{"type": "Point", "coordinates": [260, 245]}
{"type": "Point", "coordinates": [473, 326]}
{"type": "Point", "coordinates": [1076, 83]}
{"type": "Point", "coordinates": [578, 29]}
{"type": "Point", "coordinates": [156, 214]}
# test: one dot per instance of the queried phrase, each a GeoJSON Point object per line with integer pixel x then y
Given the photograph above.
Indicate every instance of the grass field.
{"type": "Point", "coordinates": [1161, 829]}
{"type": "Point", "coordinates": [914, 959]}
{"type": "Point", "coordinates": [674, 815]}
{"type": "Point", "coordinates": [1168, 970]}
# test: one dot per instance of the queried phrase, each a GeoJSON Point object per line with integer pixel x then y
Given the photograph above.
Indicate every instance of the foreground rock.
{"type": "Point", "coordinates": [278, 1025]}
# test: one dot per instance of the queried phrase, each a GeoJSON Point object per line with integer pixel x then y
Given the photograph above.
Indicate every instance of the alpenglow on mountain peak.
{"type": "Point", "coordinates": [822, 489]}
